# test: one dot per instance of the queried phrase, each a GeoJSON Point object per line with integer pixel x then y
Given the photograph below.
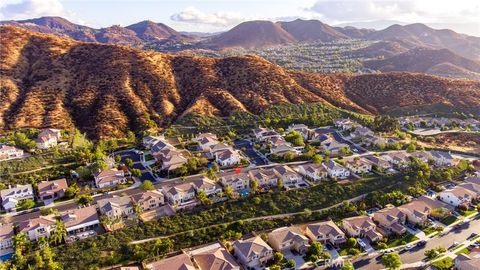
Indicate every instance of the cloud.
{"type": "Point", "coordinates": [218, 19]}
{"type": "Point", "coordinates": [27, 9]}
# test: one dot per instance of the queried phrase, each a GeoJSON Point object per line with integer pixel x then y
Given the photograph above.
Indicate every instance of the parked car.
{"type": "Point", "coordinates": [421, 243]}
{"type": "Point", "coordinates": [408, 247]}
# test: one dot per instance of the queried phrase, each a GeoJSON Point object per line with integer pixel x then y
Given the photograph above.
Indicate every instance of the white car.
{"type": "Point", "coordinates": [408, 247]}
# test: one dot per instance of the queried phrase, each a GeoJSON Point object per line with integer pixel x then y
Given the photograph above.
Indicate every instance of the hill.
{"type": "Point", "coordinates": [148, 30]}
{"type": "Point", "coordinates": [424, 36]}
{"type": "Point", "coordinates": [105, 90]}
{"type": "Point", "coordinates": [251, 34]}
{"type": "Point", "coordinates": [311, 30]}
{"type": "Point", "coordinates": [437, 62]}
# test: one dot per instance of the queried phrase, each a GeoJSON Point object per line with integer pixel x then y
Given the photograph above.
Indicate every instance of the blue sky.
{"type": "Point", "coordinates": [219, 15]}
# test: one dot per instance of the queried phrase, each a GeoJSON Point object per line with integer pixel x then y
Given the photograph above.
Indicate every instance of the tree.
{"type": "Point", "coordinates": [314, 251]}
{"type": "Point", "coordinates": [118, 158]}
{"type": "Point", "coordinates": [162, 246]}
{"type": "Point", "coordinates": [147, 185]}
{"type": "Point", "coordinates": [202, 197]}
{"type": "Point", "coordinates": [215, 167]}
{"type": "Point", "coordinates": [25, 204]}
{"type": "Point", "coordinates": [391, 261]}
{"type": "Point", "coordinates": [291, 264]}
{"type": "Point", "coordinates": [129, 162]}
{"type": "Point", "coordinates": [280, 183]}
{"type": "Point", "coordinates": [229, 191]}
{"type": "Point", "coordinates": [99, 165]}
{"type": "Point", "coordinates": [254, 185]}
{"type": "Point", "coordinates": [317, 159]}
{"type": "Point", "coordinates": [72, 190]}
{"type": "Point", "coordinates": [411, 148]}
{"type": "Point", "coordinates": [136, 172]}
{"type": "Point", "coordinates": [84, 199]}
{"type": "Point", "coordinates": [59, 234]}
{"type": "Point", "coordinates": [351, 242]}
{"type": "Point", "coordinates": [295, 138]}
{"type": "Point", "coordinates": [277, 257]}
{"type": "Point", "coordinates": [348, 266]}
{"type": "Point", "coordinates": [288, 156]}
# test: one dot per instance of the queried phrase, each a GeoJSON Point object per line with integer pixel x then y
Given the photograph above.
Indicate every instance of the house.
{"type": "Point", "coordinates": [358, 165]}
{"type": "Point", "coordinates": [6, 235]}
{"type": "Point", "coordinates": [265, 177]}
{"type": "Point", "coordinates": [109, 178]}
{"type": "Point", "coordinates": [238, 181]}
{"type": "Point", "coordinates": [345, 124]}
{"type": "Point", "coordinates": [12, 195]}
{"type": "Point", "coordinates": [468, 262]}
{"type": "Point", "coordinates": [361, 226]}
{"type": "Point", "coordinates": [442, 159]}
{"type": "Point", "coordinates": [206, 141]}
{"type": "Point", "coordinates": [360, 132]}
{"type": "Point", "coordinates": [227, 157]}
{"type": "Point", "coordinates": [178, 262]}
{"type": "Point", "coordinates": [263, 134]}
{"type": "Point", "coordinates": [397, 159]}
{"type": "Point", "coordinates": [288, 238]}
{"type": "Point", "coordinates": [288, 176]}
{"type": "Point", "coordinates": [160, 145]}
{"type": "Point", "coordinates": [422, 155]}
{"type": "Point", "coordinates": [418, 210]}
{"type": "Point", "coordinates": [253, 252]}
{"type": "Point", "coordinates": [149, 141]}
{"type": "Point", "coordinates": [171, 159]}
{"type": "Point", "coordinates": [460, 195]}
{"type": "Point", "coordinates": [214, 257]}
{"type": "Point", "coordinates": [9, 152]}
{"type": "Point", "coordinates": [179, 193]}
{"type": "Point", "coordinates": [391, 220]}
{"type": "Point", "coordinates": [116, 207]}
{"type": "Point", "coordinates": [35, 228]}
{"type": "Point", "coordinates": [282, 149]}
{"type": "Point", "coordinates": [336, 170]}
{"type": "Point", "coordinates": [48, 191]}
{"type": "Point", "coordinates": [373, 140]}
{"type": "Point", "coordinates": [379, 163]}
{"type": "Point", "coordinates": [204, 184]}
{"type": "Point", "coordinates": [218, 147]}
{"type": "Point", "coordinates": [325, 231]}
{"type": "Point", "coordinates": [312, 171]}
{"type": "Point", "coordinates": [48, 138]}
{"type": "Point", "coordinates": [80, 220]}
{"type": "Point", "coordinates": [330, 144]}
{"type": "Point", "coordinates": [149, 200]}
{"type": "Point", "coordinates": [300, 128]}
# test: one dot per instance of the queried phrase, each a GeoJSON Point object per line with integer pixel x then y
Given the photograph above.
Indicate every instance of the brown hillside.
{"type": "Point", "coordinates": [311, 30]}
{"type": "Point", "coordinates": [105, 90]}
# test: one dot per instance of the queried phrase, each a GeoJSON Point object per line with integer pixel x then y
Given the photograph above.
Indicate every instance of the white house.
{"type": "Point", "coordinates": [179, 194]}
{"type": "Point", "coordinates": [12, 195]}
{"type": "Point", "coordinates": [336, 170]}
{"type": "Point", "coordinates": [116, 207]}
{"type": "Point", "coordinates": [288, 176]}
{"type": "Point", "coordinates": [312, 171]}
{"type": "Point", "coordinates": [205, 184]}
{"type": "Point", "coordinates": [37, 227]}
{"type": "Point", "coordinates": [326, 231]}
{"type": "Point", "coordinates": [300, 128]}
{"type": "Point", "coordinates": [6, 242]}
{"type": "Point", "coordinates": [253, 252]}
{"type": "Point", "coordinates": [48, 138]}
{"type": "Point", "coordinates": [9, 152]}
{"type": "Point", "coordinates": [442, 159]}
{"type": "Point", "coordinates": [206, 141]}
{"type": "Point", "coordinates": [109, 178]}
{"type": "Point", "coordinates": [80, 220]}
{"type": "Point", "coordinates": [227, 157]}
{"type": "Point", "coordinates": [458, 195]}
{"type": "Point", "coordinates": [358, 165]}
{"type": "Point", "coordinates": [238, 181]}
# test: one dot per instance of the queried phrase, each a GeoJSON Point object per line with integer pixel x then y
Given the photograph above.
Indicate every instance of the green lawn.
{"type": "Point", "coordinates": [443, 264]}
{"type": "Point", "coordinates": [406, 238]}
{"type": "Point", "coordinates": [463, 251]}
{"type": "Point", "coordinates": [148, 157]}
{"type": "Point", "coordinates": [429, 230]}
{"type": "Point", "coordinates": [468, 212]}
{"type": "Point", "coordinates": [449, 220]}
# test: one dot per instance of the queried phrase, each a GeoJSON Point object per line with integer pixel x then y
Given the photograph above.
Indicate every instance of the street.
{"type": "Point", "coordinates": [355, 148]}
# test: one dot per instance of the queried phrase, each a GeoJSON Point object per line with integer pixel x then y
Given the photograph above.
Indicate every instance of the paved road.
{"type": "Point", "coordinates": [254, 157]}
{"type": "Point", "coordinates": [417, 254]}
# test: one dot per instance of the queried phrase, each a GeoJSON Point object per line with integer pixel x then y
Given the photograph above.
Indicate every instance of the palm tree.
{"type": "Point", "coordinates": [60, 233]}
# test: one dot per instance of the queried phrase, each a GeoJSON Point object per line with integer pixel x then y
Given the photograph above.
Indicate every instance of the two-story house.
{"type": "Point", "coordinates": [288, 238]}
{"type": "Point", "coordinates": [206, 141]}
{"type": "Point", "coordinates": [6, 235]}
{"type": "Point", "coordinates": [252, 252]}
{"type": "Point", "coordinates": [12, 195]}
{"type": "Point", "coordinates": [35, 228]}
{"type": "Point", "coordinates": [177, 262]}
{"type": "Point", "coordinates": [391, 220]}
{"type": "Point", "coordinates": [442, 159]}
{"type": "Point", "coordinates": [213, 257]}
{"type": "Point", "coordinates": [300, 128]}
{"type": "Point", "coordinates": [9, 152]}
{"type": "Point", "coordinates": [149, 200]}
{"type": "Point", "coordinates": [460, 195]}
{"type": "Point", "coordinates": [358, 165]}
{"type": "Point", "coordinates": [361, 226]}
{"type": "Point", "coordinates": [227, 157]}
{"type": "Point", "coordinates": [179, 194]}
{"type": "Point", "coordinates": [263, 134]}
{"type": "Point", "coordinates": [418, 210]}
{"type": "Point", "coordinates": [314, 172]}
{"type": "Point", "coordinates": [48, 191]}
{"type": "Point", "coordinates": [336, 170]}
{"type": "Point", "coordinates": [265, 177]}
{"type": "Point", "coordinates": [109, 178]}
{"type": "Point", "coordinates": [48, 138]}
{"type": "Point", "coordinates": [325, 231]}
{"type": "Point", "coordinates": [116, 208]}
{"type": "Point", "coordinates": [206, 185]}
{"type": "Point", "coordinates": [288, 176]}
{"type": "Point", "coordinates": [238, 181]}
{"type": "Point", "coordinates": [398, 159]}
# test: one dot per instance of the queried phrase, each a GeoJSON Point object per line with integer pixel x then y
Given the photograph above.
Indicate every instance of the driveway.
{"type": "Point", "coordinates": [299, 261]}
{"type": "Point", "coordinates": [250, 152]}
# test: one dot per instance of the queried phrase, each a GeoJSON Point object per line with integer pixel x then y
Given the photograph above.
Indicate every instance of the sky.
{"type": "Point", "coordinates": [220, 15]}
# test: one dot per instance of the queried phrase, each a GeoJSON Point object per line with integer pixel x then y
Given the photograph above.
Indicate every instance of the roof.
{"type": "Point", "coordinates": [314, 167]}
{"type": "Point", "coordinates": [146, 196]}
{"type": "Point", "coordinates": [226, 154]}
{"type": "Point", "coordinates": [252, 246]}
{"type": "Point", "coordinates": [5, 147]}
{"type": "Point", "coordinates": [106, 205]}
{"type": "Point", "coordinates": [372, 234]}
{"type": "Point", "coordinates": [441, 154]}
{"type": "Point", "coordinates": [31, 224]}
{"type": "Point", "coordinates": [284, 170]}
{"type": "Point", "coordinates": [179, 262]}
{"type": "Point", "coordinates": [333, 165]}
{"type": "Point", "coordinates": [6, 231]}
{"type": "Point", "coordinates": [50, 187]}
{"type": "Point", "coordinates": [18, 189]}
{"type": "Point", "coordinates": [265, 174]}
{"type": "Point", "coordinates": [461, 192]}
{"type": "Point", "coordinates": [79, 216]}
{"type": "Point", "coordinates": [359, 222]}
{"type": "Point", "coordinates": [179, 188]}
{"type": "Point", "coordinates": [233, 177]}
{"type": "Point", "coordinates": [202, 182]}
{"type": "Point", "coordinates": [286, 234]}
{"type": "Point", "coordinates": [388, 215]}
{"type": "Point", "coordinates": [109, 175]}
{"type": "Point", "coordinates": [325, 228]}
{"type": "Point", "coordinates": [216, 259]}
{"type": "Point", "coordinates": [157, 147]}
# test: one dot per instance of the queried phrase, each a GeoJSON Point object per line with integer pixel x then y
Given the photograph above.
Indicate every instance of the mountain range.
{"type": "Point", "coordinates": [395, 40]}
{"type": "Point", "coordinates": [106, 90]}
